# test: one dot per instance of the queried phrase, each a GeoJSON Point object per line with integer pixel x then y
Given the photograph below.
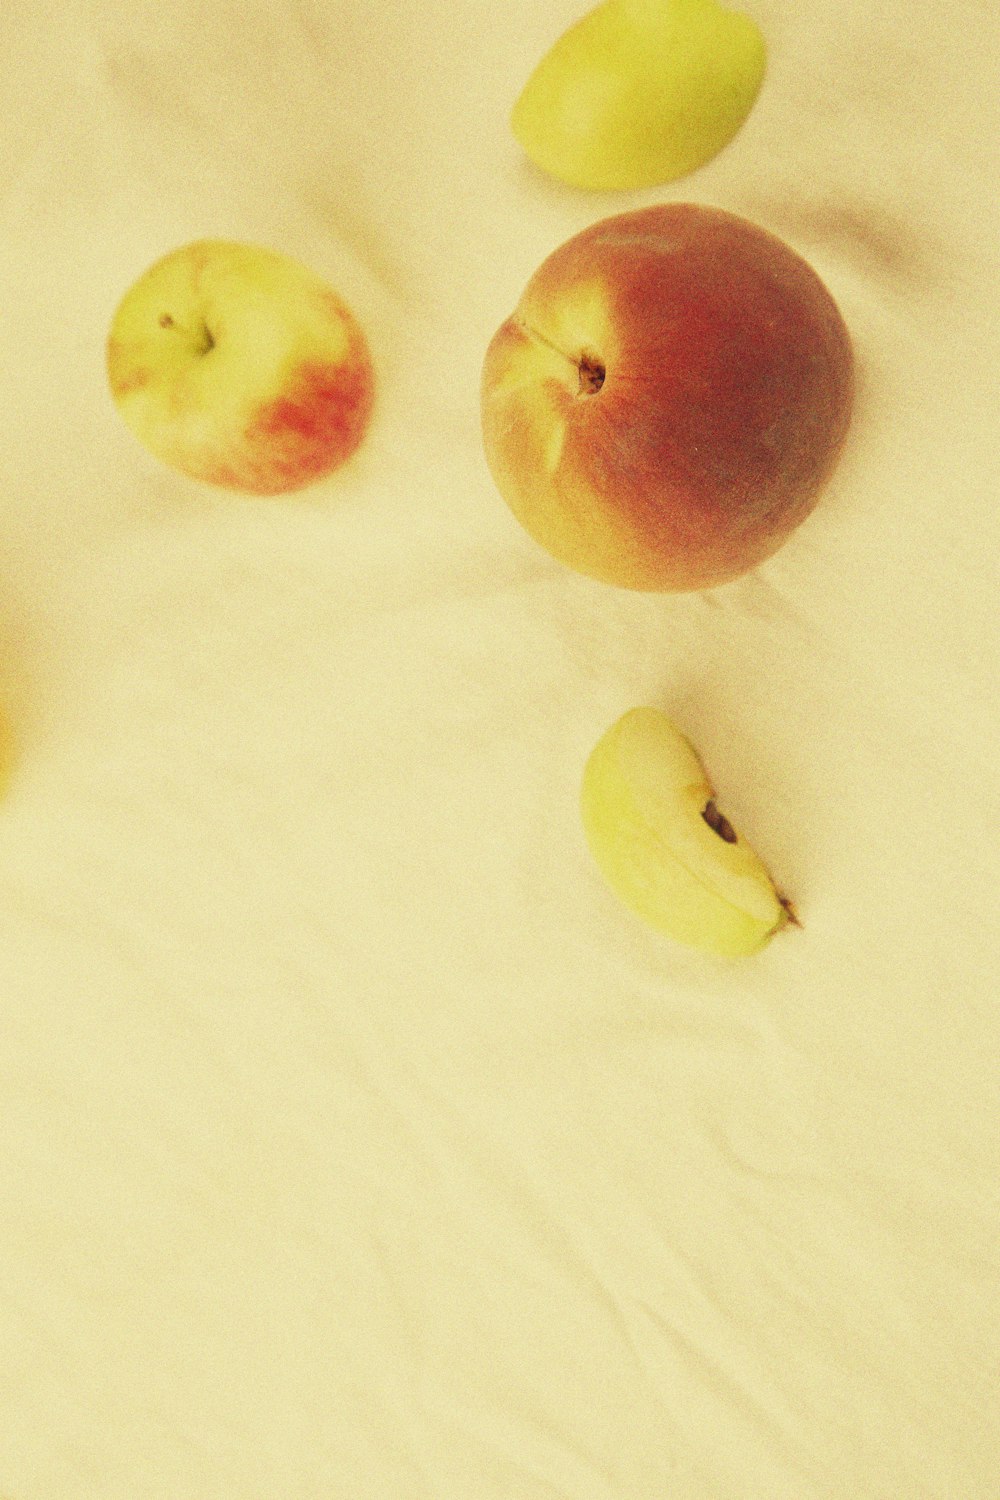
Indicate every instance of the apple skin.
{"type": "Point", "coordinates": [640, 92]}
{"type": "Point", "coordinates": [668, 399]}
{"type": "Point", "coordinates": [240, 367]}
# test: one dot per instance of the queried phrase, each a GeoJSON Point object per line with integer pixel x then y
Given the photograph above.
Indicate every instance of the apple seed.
{"type": "Point", "coordinates": [718, 822]}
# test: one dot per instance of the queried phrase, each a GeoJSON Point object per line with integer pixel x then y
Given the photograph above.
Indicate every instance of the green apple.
{"type": "Point", "coordinates": [240, 367]}
{"type": "Point", "coordinates": [652, 824]}
{"type": "Point", "coordinates": [640, 92]}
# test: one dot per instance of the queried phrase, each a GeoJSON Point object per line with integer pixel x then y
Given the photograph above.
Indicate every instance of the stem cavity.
{"type": "Point", "coordinates": [200, 337]}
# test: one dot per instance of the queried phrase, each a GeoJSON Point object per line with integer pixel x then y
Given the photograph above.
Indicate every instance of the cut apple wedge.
{"type": "Point", "coordinates": [640, 92]}
{"type": "Point", "coordinates": [654, 828]}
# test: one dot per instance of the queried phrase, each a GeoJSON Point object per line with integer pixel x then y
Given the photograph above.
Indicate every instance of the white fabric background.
{"type": "Point", "coordinates": [354, 1142]}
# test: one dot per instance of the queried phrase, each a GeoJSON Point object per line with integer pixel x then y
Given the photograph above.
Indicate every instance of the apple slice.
{"type": "Point", "coordinates": [640, 92]}
{"type": "Point", "coordinates": [653, 827]}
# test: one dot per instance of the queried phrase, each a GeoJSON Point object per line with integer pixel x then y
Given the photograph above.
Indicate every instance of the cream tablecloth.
{"type": "Point", "coordinates": [354, 1143]}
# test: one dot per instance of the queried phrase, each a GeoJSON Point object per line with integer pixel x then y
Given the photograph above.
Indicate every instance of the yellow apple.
{"type": "Point", "coordinates": [668, 399]}
{"type": "Point", "coordinates": [640, 92]}
{"type": "Point", "coordinates": [8, 754]}
{"type": "Point", "coordinates": [656, 834]}
{"type": "Point", "coordinates": [239, 366]}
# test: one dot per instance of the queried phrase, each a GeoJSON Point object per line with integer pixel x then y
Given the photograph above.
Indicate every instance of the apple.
{"type": "Point", "coordinates": [639, 92]}
{"type": "Point", "coordinates": [240, 367]}
{"type": "Point", "coordinates": [668, 399]}
{"type": "Point", "coordinates": [653, 826]}
{"type": "Point", "coordinates": [8, 754]}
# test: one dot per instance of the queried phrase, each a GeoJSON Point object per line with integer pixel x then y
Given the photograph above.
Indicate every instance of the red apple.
{"type": "Point", "coordinates": [240, 367]}
{"type": "Point", "coordinates": [668, 399]}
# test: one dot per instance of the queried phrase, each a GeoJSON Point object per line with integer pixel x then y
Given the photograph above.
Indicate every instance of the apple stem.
{"type": "Point", "coordinates": [202, 338]}
{"type": "Point", "coordinates": [790, 911]}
